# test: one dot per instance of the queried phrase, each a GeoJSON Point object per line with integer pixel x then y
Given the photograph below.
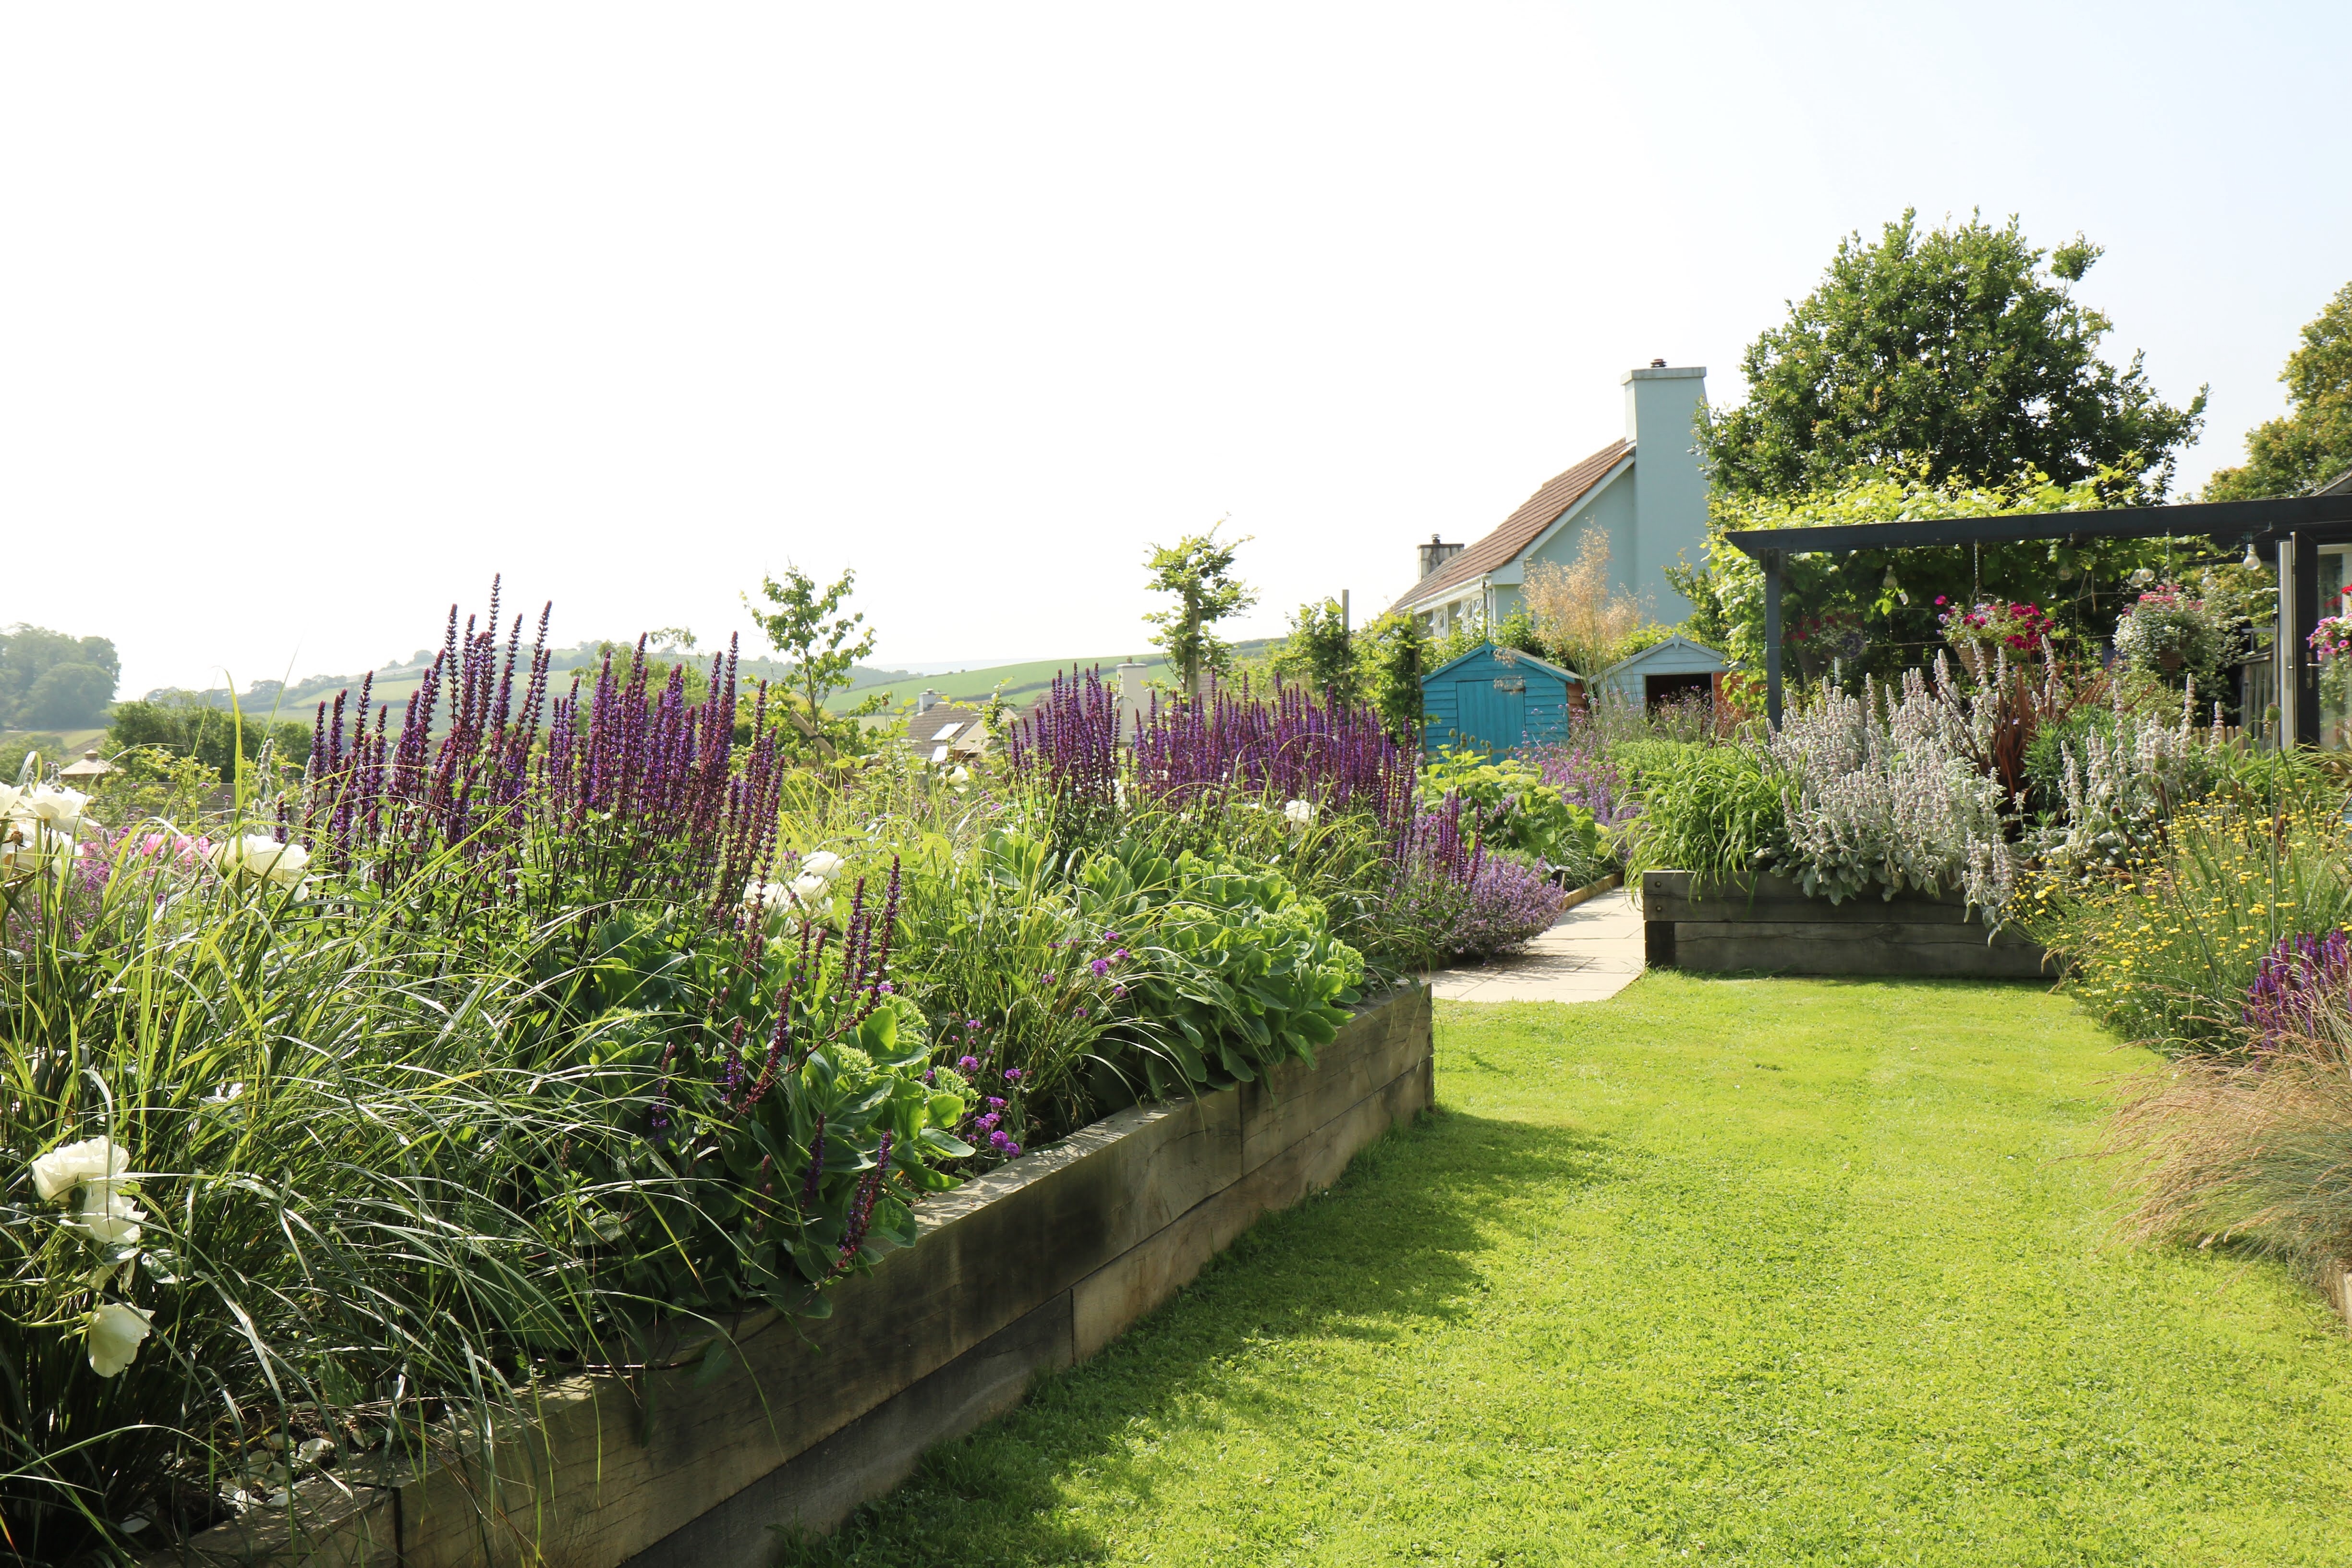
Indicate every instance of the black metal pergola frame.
{"type": "Point", "coordinates": [2289, 532]}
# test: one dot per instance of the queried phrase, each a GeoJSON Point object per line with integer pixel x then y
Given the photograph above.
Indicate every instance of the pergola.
{"type": "Point", "coordinates": [2290, 531]}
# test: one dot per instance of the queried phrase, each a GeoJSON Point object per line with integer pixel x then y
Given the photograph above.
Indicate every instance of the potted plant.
{"type": "Point", "coordinates": [2168, 631]}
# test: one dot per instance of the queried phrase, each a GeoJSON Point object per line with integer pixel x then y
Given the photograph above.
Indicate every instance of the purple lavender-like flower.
{"type": "Point", "coordinates": [1012, 1075]}
{"type": "Point", "coordinates": [967, 1065]}
{"type": "Point", "coordinates": [1101, 966]}
{"type": "Point", "coordinates": [2300, 988]}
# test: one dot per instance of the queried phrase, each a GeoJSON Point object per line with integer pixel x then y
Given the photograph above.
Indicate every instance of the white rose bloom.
{"type": "Point", "coordinates": [110, 1218]}
{"type": "Point", "coordinates": [807, 888]}
{"type": "Point", "coordinates": [115, 1331]}
{"type": "Point", "coordinates": [11, 797]}
{"type": "Point", "coordinates": [57, 1171]}
{"type": "Point", "coordinates": [52, 806]}
{"type": "Point", "coordinates": [768, 897]}
{"type": "Point", "coordinates": [824, 864]}
{"type": "Point", "coordinates": [259, 855]}
{"type": "Point", "coordinates": [1300, 812]}
{"type": "Point", "coordinates": [960, 776]}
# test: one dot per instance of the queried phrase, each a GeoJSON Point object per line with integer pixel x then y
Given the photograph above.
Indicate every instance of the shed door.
{"type": "Point", "coordinates": [1495, 720]}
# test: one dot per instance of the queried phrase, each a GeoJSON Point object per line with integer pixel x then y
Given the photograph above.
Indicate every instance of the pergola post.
{"type": "Point", "coordinates": [2283, 683]}
{"type": "Point", "coordinates": [1772, 639]}
{"type": "Point", "coordinates": [2304, 578]}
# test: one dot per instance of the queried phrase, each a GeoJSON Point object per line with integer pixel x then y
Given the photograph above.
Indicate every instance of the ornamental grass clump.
{"type": "Point", "coordinates": [264, 1179]}
{"type": "Point", "coordinates": [2246, 1150]}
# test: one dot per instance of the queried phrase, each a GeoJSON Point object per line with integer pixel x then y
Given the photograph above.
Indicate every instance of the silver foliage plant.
{"type": "Point", "coordinates": [1890, 787]}
{"type": "Point", "coordinates": [2118, 783]}
{"type": "Point", "coordinates": [1882, 788]}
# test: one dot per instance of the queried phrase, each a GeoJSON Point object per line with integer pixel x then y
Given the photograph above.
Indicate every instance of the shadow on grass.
{"type": "Point", "coordinates": [1399, 1239]}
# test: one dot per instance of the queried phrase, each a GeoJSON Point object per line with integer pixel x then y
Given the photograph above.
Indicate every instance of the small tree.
{"type": "Point", "coordinates": [1198, 569]}
{"type": "Point", "coordinates": [1391, 655]}
{"type": "Point", "coordinates": [807, 627]}
{"type": "Point", "coordinates": [2314, 443]}
{"type": "Point", "coordinates": [1318, 653]}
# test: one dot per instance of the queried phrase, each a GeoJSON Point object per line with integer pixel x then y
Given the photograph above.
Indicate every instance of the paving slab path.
{"type": "Point", "coordinates": [1590, 954]}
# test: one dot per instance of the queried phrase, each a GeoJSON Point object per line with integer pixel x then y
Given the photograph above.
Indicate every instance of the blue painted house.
{"type": "Point", "coordinates": [1493, 699]}
{"type": "Point", "coordinates": [1674, 668]}
{"type": "Point", "coordinates": [1646, 495]}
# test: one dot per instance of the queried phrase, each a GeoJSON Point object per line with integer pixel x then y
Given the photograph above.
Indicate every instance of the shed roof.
{"type": "Point", "coordinates": [1488, 649]}
{"type": "Point", "coordinates": [1677, 641]}
{"type": "Point", "coordinates": [1520, 529]}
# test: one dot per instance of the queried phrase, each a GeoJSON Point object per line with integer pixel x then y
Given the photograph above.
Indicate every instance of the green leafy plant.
{"type": "Point", "coordinates": [1713, 811]}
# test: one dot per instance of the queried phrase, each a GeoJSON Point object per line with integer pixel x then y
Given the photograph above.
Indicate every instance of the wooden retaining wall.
{"type": "Point", "coordinates": [1775, 926]}
{"type": "Point", "coordinates": [1024, 1272]}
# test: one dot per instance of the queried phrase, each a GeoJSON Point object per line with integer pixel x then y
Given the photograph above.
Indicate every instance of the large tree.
{"type": "Point", "coordinates": [1956, 351]}
{"type": "Point", "coordinates": [52, 681]}
{"type": "Point", "coordinates": [2314, 443]}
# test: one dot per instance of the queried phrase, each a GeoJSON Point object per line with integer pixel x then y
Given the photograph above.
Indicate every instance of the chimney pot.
{"type": "Point", "coordinates": [1657, 364]}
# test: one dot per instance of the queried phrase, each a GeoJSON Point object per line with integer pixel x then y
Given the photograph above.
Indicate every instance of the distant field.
{"type": "Point", "coordinates": [1019, 680]}
{"type": "Point", "coordinates": [77, 740]}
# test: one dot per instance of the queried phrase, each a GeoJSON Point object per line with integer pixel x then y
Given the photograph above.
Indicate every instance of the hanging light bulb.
{"type": "Point", "coordinates": [2253, 562]}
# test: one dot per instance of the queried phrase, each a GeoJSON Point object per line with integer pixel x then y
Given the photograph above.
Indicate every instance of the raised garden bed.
{"type": "Point", "coordinates": [1024, 1271]}
{"type": "Point", "coordinates": [1774, 925]}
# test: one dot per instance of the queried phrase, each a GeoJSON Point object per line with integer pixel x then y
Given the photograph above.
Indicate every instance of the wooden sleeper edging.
{"type": "Point", "coordinates": [1026, 1270]}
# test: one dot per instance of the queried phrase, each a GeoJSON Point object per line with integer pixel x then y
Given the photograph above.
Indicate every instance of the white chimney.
{"type": "Point", "coordinates": [927, 702]}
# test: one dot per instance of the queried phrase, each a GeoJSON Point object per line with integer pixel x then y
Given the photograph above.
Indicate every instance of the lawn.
{"type": "Point", "coordinates": [1732, 1271]}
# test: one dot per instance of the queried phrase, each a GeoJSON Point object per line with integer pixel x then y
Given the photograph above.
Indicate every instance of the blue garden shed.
{"type": "Point", "coordinates": [1493, 699]}
{"type": "Point", "coordinates": [1662, 672]}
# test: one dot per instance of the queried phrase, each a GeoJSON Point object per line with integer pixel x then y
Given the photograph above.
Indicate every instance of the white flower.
{"type": "Point", "coordinates": [110, 1218]}
{"type": "Point", "coordinates": [11, 797]}
{"type": "Point", "coordinates": [768, 897]}
{"type": "Point", "coordinates": [27, 842]}
{"type": "Point", "coordinates": [825, 865]}
{"type": "Point", "coordinates": [259, 855]}
{"type": "Point", "coordinates": [960, 776]}
{"type": "Point", "coordinates": [1300, 812]}
{"type": "Point", "coordinates": [115, 1331]}
{"type": "Point", "coordinates": [808, 887]}
{"type": "Point", "coordinates": [56, 1172]}
{"type": "Point", "coordinates": [51, 805]}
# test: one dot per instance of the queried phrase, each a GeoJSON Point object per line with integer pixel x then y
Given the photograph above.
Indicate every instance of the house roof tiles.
{"type": "Point", "coordinates": [1520, 529]}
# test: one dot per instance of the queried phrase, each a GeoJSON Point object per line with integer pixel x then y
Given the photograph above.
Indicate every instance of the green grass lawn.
{"type": "Point", "coordinates": [1764, 1271]}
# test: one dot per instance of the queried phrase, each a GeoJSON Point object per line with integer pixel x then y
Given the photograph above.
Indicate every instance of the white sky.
{"type": "Point", "coordinates": [313, 317]}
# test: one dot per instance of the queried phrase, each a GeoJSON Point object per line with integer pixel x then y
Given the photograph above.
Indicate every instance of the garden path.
{"type": "Point", "coordinates": [1590, 954]}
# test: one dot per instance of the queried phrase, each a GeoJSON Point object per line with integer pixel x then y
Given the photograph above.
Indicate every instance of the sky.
{"type": "Point", "coordinates": [314, 318]}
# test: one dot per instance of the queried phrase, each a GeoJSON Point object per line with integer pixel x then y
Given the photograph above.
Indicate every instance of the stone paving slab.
{"type": "Point", "coordinates": [1590, 954]}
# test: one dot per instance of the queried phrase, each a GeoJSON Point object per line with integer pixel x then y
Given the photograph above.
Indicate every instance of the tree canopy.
{"type": "Point", "coordinates": [1956, 351]}
{"type": "Point", "coordinates": [52, 681]}
{"type": "Point", "coordinates": [2313, 444]}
